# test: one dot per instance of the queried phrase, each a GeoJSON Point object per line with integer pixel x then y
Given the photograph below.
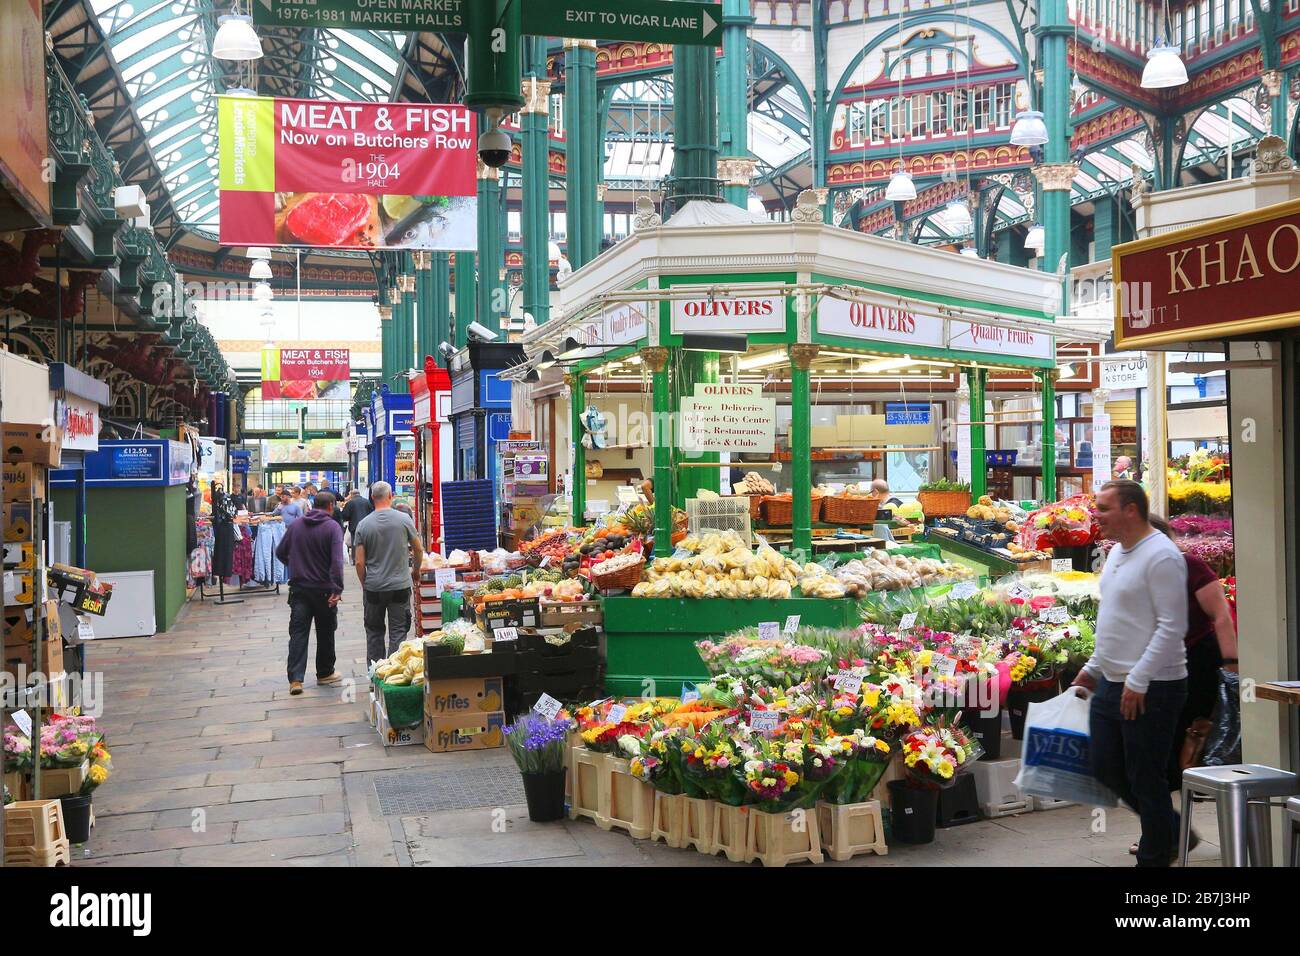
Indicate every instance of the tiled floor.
{"type": "Point", "coordinates": [215, 764]}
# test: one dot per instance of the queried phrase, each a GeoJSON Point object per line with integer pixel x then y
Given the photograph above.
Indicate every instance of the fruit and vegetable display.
{"type": "Point", "coordinates": [945, 484]}
{"type": "Point", "coordinates": [879, 570]}
{"type": "Point", "coordinates": [404, 666]}
{"type": "Point", "coordinates": [719, 565]}
{"type": "Point", "coordinates": [754, 484]}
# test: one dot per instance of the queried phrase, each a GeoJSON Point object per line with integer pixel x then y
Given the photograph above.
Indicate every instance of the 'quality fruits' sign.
{"type": "Point", "coordinates": [347, 175]}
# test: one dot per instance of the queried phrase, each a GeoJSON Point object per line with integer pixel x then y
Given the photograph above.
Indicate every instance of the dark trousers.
{"type": "Point", "coordinates": [1203, 662]}
{"type": "Point", "coordinates": [305, 606]}
{"type": "Point", "coordinates": [378, 605]}
{"type": "Point", "coordinates": [1132, 758]}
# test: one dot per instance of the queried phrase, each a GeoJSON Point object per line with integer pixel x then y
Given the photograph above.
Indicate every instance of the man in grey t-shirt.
{"type": "Point", "coordinates": [380, 546]}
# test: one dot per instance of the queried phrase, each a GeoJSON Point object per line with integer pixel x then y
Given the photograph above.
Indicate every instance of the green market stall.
{"type": "Point", "coordinates": [687, 300]}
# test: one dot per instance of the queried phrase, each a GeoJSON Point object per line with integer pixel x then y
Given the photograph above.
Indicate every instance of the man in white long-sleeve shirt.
{"type": "Point", "coordinates": [1139, 668]}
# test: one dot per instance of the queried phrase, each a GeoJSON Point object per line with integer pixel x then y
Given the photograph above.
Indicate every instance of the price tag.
{"type": "Point", "coordinates": [1019, 591]}
{"type": "Point", "coordinates": [23, 721]}
{"type": "Point", "coordinates": [505, 634]}
{"type": "Point", "coordinates": [85, 631]}
{"type": "Point", "coordinates": [769, 631]}
{"type": "Point", "coordinates": [965, 589]}
{"type": "Point", "coordinates": [791, 624]}
{"type": "Point", "coordinates": [907, 622]}
{"type": "Point", "coordinates": [1062, 564]}
{"type": "Point", "coordinates": [545, 561]}
{"type": "Point", "coordinates": [617, 713]}
{"type": "Point", "coordinates": [1054, 615]}
{"type": "Point", "coordinates": [943, 665]}
{"type": "Point", "coordinates": [848, 683]}
{"type": "Point", "coordinates": [690, 694]}
{"type": "Point", "coordinates": [444, 578]}
{"type": "Point", "coordinates": [764, 721]}
{"type": "Point", "coordinates": [547, 706]}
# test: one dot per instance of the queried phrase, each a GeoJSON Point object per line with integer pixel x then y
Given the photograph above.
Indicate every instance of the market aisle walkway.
{"type": "Point", "coordinates": [215, 764]}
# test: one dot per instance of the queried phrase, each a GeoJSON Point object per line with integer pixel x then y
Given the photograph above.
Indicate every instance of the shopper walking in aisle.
{"type": "Point", "coordinates": [288, 509]}
{"type": "Point", "coordinates": [308, 495]}
{"type": "Point", "coordinates": [354, 509]}
{"type": "Point", "coordinates": [1139, 668]}
{"type": "Point", "coordinates": [380, 547]}
{"type": "Point", "coordinates": [312, 550]}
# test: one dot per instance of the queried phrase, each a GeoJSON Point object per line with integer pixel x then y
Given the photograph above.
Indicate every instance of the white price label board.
{"type": "Point", "coordinates": [791, 624]}
{"type": "Point", "coordinates": [503, 635]}
{"type": "Point", "coordinates": [1062, 564]}
{"type": "Point", "coordinates": [1019, 591]}
{"type": "Point", "coordinates": [617, 713]}
{"type": "Point", "coordinates": [943, 665]}
{"type": "Point", "coordinates": [689, 695]}
{"type": "Point", "coordinates": [965, 589]}
{"type": "Point", "coordinates": [444, 578]}
{"type": "Point", "coordinates": [769, 631]}
{"type": "Point", "coordinates": [848, 683]}
{"type": "Point", "coordinates": [547, 706]}
{"type": "Point", "coordinates": [545, 561]}
{"type": "Point", "coordinates": [1054, 615]}
{"type": "Point", "coordinates": [23, 721]}
{"type": "Point", "coordinates": [85, 630]}
{"type": "Point", "coordinates": [764, 721]}
{"type": "Point", "coordinates": [908, 621]}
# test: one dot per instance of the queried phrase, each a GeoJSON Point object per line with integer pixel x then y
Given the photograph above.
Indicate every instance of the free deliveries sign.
{"type": "Point", "coordinates": [347, 175]}
{"type": "Point", "coordinates": [306, 373]}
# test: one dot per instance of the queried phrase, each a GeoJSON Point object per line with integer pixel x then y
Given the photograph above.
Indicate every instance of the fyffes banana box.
{"type": "Point", "coordinates": [470, 732]}
{"type": "Point", "coordinates": [463, 696]}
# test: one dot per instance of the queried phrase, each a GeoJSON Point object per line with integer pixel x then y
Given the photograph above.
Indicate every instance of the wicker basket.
{"type": "Point", "coordinates": [628, 577]}
{"type": "Point", "coordinates": [779, 509]}
{"type": "Point", "coordinates": [944, 504]}
{"type": "Point", "coordinates": [755, 508]}
{"type": "Point", "coordinates": [850, 509]}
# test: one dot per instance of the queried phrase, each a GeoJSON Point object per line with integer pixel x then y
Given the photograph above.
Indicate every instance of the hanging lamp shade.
{"type": "Point", "coordinates": [236, 39]}
{"type": "Point", "coordinates": [1029, 129]}
{"type": "Point", "coordinates": [262, 292]}
{"type": "Point", "coordinates": [1036, 238]}
{"type": "Point", "coordinates": [260, 270]}
{"type": "Point", "coordinates": [259, 252]}
{"type": "Point", "coordinates": [970, 252]}
{"type": "Point", "coordinates": [1164, 68]}
{"type": "Point", "coordinates": [900, 188]}
{"type": "Point", "coordinates": [957, 216]}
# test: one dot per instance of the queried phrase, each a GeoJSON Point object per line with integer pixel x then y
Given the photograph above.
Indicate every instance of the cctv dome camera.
{"type": "Point", "coordinates": [480, 332]}
{"type": "Point", "coordinates": [494, 147]}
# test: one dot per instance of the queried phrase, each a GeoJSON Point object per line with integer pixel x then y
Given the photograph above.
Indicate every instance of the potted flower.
{"type": "Point", "coordinates": [773, 773]}
{"type": "Point", "coordinates": [538, 745]}
{"type": "Point", "coordinates": [932, 758]}
{"type": "Point", "coordinates": [1035, 660]}
{"type": "Point", "coordinates": [77, 807]}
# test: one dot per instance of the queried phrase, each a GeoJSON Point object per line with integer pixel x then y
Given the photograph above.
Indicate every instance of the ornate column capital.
{"type": "Point", "coordinates": [406, 282]}
{"type": "Point", "coordinates": [486, 172]}
{"type": "Point", "coordinates": [736, 170]}
{"type": "Point", "coordinates": [802, 355]}
{"type": "Point", "coordinates": [656, 356]}
{"type": "Point", "coordinates": [963, 392]}
{"type": "Point", "coordinates": [386, 313]}
{"type": "Point", "coordinates": [1272, 82]}
{"type": "Point", "coordinates": [808, 207]}
{"type": "Point", "coordinates": [537, 96]}
{"type": "Point", "coordinates": [1100, 396]}
{"type": "Point", "coordinates": [1056, 177]}
{"type": "Point", "coordinates": [600, 192]}
{"type": "Point", "coordinates": [423, 259]}
{"type": "Point", "coordinates": [579, 44]}
{"type": "Point", "coordinates": [645, 216]}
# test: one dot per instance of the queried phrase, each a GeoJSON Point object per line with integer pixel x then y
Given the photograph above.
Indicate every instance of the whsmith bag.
{"type": "Point", "coordinates": [1055, 761]}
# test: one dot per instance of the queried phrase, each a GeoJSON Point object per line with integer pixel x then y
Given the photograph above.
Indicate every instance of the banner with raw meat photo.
{"type": "Point", "coordinates": [347, 175]}
{"type": "Point", "coordinates": [306, 374]}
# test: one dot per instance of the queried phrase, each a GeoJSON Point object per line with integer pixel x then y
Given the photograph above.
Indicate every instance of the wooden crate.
{"type": "Point", "coordinates": [776, 839]}
{"type": "Point", "coordinates": [731, 832]}
{"type": "Point", "coordinates": [585, 772]}
{"type": "Point", "coordinates": [996, 790]}
{"type": "Point", "coordinates": [669, 819]}
{"type": "Point", "coordinates": [699, 825]}
{"type": "Point", "coordinates": [848, 830]}
{"type": "Point", "coordinates": [563, 613]}
{"type": "Point", "coordinates": [626, 802]}
{"type": "Point", "coordinates": [63, 781]}
{"type": "Point", "coordinates": [19, 784]}
{"type": "Point", "coordinates": [34, 834]}
{"type": "Point", "coordinates": [58, 855]}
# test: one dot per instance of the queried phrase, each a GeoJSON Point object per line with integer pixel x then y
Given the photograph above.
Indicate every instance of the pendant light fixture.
{"type": "Point", "coordinates": [1036, 238]}
{"type": "Point", "coordinates": [236, 39]}
{"type": "Point", "coordinates": [1029, 130]}
{"type": "Point", "coordinates": [957, 217]}
{"type": "Point", "coordinates": [262, 292]}
{"type": "Point", "coordinates": [260, 270]}
{"type": "Point", "coordinates": [969, 251]}
{"type": "Point", "coordinates": [901, 188]}
{"type": "Point", "coordinates": [1164, 67]}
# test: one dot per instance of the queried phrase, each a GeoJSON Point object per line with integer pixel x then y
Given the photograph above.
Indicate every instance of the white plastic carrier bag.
{"type": "Point", "coordinates": [1055, 761]}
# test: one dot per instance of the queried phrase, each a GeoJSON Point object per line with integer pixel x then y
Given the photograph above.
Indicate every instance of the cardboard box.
{"type": "Point", "coordinates": [23, 481]}
{"type": "Point", "coordinates": [19, 588]}
{"type": "Point", "coordinates": [18, 623]}
{"type": "Point", "coordinates": [524, 612]}
{"type": "Point", "coordinates": [18, 658]}
{"type": "Point", "coordinates": [19, 556]}
{"type": "Point", "coordinates": [470, 732]}
{"type": "Point", "coordinates": [470, 695]}
{"type": "Point", "coordinates": [396, 736]}
{"type": "Point", "coordinates": [37, 444]}
{"type": "Point", "coordinates": [18, 521]}
{"type": "Point", "coordinates": [439, 667]}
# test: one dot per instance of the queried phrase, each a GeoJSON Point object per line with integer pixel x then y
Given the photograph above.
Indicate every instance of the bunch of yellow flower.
{"type": "Point", "coordinates": [1022, 668]}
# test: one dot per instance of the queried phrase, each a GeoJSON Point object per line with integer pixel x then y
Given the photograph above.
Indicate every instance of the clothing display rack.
{"type": "Point", "coordinates": [276, 572]}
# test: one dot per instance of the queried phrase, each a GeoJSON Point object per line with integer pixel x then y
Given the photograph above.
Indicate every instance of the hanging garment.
{"type": "Point", "coordinates": [200, 566]}
{"type": "Point", "coordinates": [241, 565]}
{"type": "Point", "coordinates": [266, 568]}
{"type": "Point", "coordinates": [223, 528]}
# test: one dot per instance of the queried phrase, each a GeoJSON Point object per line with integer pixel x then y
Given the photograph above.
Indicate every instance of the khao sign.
{"type": "Point", "coordinates": [905, 322]}
{"type": "Point", "coordinates": [728, 418]}
{"type": "Point", "coordinates": [347, 175]}
{"type": "Point", "coordinates": [1231, 276]}
{"type": "Point", "coordinates": [742, 314]}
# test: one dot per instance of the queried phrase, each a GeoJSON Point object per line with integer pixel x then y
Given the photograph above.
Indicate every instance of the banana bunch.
{"type": "Point", "coordinates": [404, 667]}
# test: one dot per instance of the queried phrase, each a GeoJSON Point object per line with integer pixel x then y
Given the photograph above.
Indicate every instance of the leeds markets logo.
{"type": "Point", "coordinates": [75, 909]}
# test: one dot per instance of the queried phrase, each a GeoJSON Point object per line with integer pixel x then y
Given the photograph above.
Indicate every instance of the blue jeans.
{"type": "Point", "coordinates": [1132, 758]}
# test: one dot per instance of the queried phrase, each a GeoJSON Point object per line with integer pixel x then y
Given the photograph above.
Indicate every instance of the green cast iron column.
{"type": "Point", "coordinates": [822, 114]}
{"type": "Point", "coordinates": [695, 128]}
{"type": "Point", "coordinates": [1048, 379]}
{"type": "Point", "coordinates": [426, 334]}
{"type": "Point", "coordinates": [583, 152]}
{"type": "Point", "coordinates": [404, 317]}
{"type": "Point", "coordinates": [1057, 172]}
{"type": "Point", "coordinates": [535, 120]}
{"type": "Point", "coordinates": [656, 358]}
{"type": "Point", "coordinates": [733, 103]}
{"type": "Point", "coordinates": [465, 294]}
{"type": "Point", "coordinates": [801, 359]}
{"type": "Point", "coordinates": [491, 250]}
{"type": "Point", "coordinates": [441, 307]}
{"type": "Point", "coordinates": [577, 405]}
{"type": "Point", "coordinates": [975, 381]}
{"type": "Point", "coordinates": [387, 329]}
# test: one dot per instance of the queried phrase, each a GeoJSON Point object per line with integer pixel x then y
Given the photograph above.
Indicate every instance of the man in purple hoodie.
{"type": "Point", "coordinates": [312, 550]}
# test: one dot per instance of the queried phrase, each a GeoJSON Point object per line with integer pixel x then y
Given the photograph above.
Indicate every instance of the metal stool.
{"type": "Point", "coordinates": [1293, 832]}
{"type": "Point", "coordinates": [1241, 795]}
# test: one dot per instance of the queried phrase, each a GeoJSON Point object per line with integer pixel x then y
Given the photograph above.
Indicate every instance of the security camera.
{"type": "Point", "coordinates": [446, 350]}
{"type": "Point", "coordinates": [494, 144]}
{"type": "Point", "coordinates": [480, 333]}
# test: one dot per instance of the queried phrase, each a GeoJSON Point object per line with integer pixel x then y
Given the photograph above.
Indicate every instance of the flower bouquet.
{"type": "Point", "coordinates": [1064, 524]}
{"type": "Point", "coordinates": [770, 779]}
{"type": "Point", "coordinates": [933, 756]}
{"type": "Point", "coordinates": [865, 759]}
{"type": "Point", "coordinates": [708, 764]}
{"type": "Point", "coordinates": [538, 744]}
{"type": "Point", "coordinates": [654, 761]}
{"type": "Point", "coordinates": [607, 738]}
